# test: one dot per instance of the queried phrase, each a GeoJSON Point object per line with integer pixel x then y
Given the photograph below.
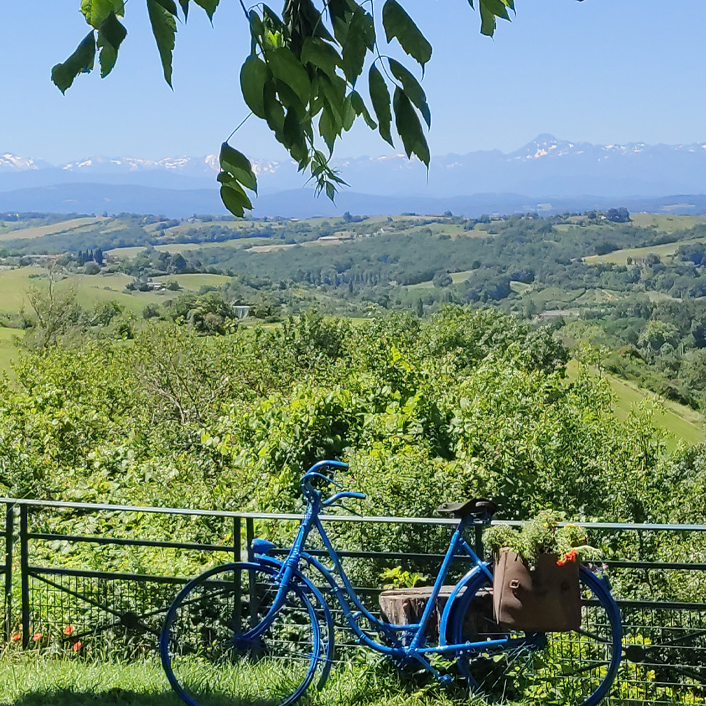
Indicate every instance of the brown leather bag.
{"type": "Point", "coordinates": [544, 598]}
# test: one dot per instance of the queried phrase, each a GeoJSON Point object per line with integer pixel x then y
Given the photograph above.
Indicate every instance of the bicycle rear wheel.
{"type": "Point", "coordinates": [572, 668]}
{"type": "Point", "coordinates": [222, 643]}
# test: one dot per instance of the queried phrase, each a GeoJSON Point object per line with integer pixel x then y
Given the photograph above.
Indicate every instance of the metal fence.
{"type": "Point", "coordinates": [103, 576]}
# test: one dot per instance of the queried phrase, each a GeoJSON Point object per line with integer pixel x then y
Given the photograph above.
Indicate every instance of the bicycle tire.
{"type": "Point", "coordinates": [574, 668]}
{"type": "Point", "coordinates": [222, 646]}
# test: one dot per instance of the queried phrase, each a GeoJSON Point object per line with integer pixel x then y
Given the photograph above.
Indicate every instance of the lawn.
{"type": "Point", "coordinates": [34, 681]}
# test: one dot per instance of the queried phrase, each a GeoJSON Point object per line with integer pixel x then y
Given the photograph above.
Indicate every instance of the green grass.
{"type": "Point", "coordinates": [54, 228]}
{"type": "Point", "coordinates": [94, 289]}
{"type": "Point", "coordinates": [31, 680]}
{"type": "Point", "coordinates": [619, 257]}
{"type": "Point", "coordinates": [194, 282]}
{"type": "Point", "coordinates": [174, 248]}
{"type": "Point", "coordinates": [8, 351]}
{"type": "Point", "coordinates": [665, 222]}
{"type": "Point", "coordinates": [679, 421]}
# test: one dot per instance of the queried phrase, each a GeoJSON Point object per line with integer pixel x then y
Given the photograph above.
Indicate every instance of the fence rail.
{"type": "Point", "coordinates": [105, 574]}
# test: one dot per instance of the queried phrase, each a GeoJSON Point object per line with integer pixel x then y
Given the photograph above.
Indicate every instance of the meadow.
{"type": "Point", "coordinates": [92, 290]}
{"type": "Point", "coordinates": [24, 233]}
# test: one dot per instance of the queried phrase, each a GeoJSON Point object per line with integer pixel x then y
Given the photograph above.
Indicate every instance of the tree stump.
{"type": "Point", "coordinates": [405, 606]}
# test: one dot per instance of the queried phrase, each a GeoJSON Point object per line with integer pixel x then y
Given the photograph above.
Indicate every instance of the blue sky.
{"type": "Point", "coordinates": [604, 71]}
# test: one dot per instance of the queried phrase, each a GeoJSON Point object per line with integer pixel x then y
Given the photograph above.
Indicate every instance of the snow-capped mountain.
{"type": "Point", "coordinates": [546, 166]}
{"type": "Point", "coordinates": [13, 163]}
{"type": "Point", "coordinates": [190, 166]}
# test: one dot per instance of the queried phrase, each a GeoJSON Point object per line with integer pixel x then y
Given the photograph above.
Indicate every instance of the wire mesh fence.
{"type": "Point", "coordinates": [101, 577]}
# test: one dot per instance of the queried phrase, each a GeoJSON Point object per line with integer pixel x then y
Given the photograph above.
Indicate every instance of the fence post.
{"type": "Point", "coordinates": [237, 617]}
{"type": "Point", "coordinates": [9, 542]}
{"type": "Point", "coordinates": [249, 536]}
{"type": "Point", "coordinates": [24, 575]}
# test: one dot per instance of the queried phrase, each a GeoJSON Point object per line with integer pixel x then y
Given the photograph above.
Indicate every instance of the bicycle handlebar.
{"type": "Point", "coordinates": [316, 472]}
{"type": "Point", "coordinates": [341, 496]}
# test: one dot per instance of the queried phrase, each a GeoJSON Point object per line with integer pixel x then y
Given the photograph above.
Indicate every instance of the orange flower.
{"type": "Point", "coordinates": [36, 637]}
{"type": "Point", "coordinates": [572, 555]}
{"type": "Point", "coordinates": [16, 636]}
{"type": "Point", "coordinates": [560, 562]}
{"type": "Point", "coordinates": [68, 630]}
{"type": "Point", "coordinates": [77, 646]}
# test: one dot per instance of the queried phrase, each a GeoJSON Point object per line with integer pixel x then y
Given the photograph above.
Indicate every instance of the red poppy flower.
{"type": "Point", "coordinates": [36, 637]}
{"type": "Point", "coordinates": [77, 646]}
{"type": "Point", "coordinates": [68, 630]}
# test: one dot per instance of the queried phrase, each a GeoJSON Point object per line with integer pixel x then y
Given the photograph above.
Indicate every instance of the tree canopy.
{"type": "Point", "coordinates": [301, 76]}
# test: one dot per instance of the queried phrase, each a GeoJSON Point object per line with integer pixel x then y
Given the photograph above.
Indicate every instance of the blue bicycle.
{"type": "Point", "coordinates": [260, 632]}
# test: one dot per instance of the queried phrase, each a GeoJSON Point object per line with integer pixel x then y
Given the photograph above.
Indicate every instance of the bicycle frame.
{"type": "Point", "coordinates": [412, 645]}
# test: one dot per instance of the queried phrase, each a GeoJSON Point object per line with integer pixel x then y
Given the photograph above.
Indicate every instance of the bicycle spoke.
{"type": "Point", "coordinates": [571, 668]}
{"type": "Point", "coordinates": [216, 656]}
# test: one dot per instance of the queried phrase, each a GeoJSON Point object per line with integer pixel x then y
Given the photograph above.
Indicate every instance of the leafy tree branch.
{"type": "Point", "coordinates": [300, 76]}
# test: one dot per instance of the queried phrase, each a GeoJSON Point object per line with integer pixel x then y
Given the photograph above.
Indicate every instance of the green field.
{"type": "Point", "coordinates": [174, 248]}
{"type": "Point", "coordinates": [94, 289]}
{"type": "Point", "coordinates": [54, 228]}
{"type": "Point", "coordinates": [619, 257]}
{"type": "Point", "coordinates": [680, 422]}
{"type": "Point", "coordinates": [665, 222]}
{"type": "Point", "coordinates": [8, 351]}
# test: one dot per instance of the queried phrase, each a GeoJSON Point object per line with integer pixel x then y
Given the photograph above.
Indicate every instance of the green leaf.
{"type": "Point", "coordinates": [327, 128]}
{"type": "Point", "coordinates": [185, 8]}
{"type": "Point", "coordinates": [360, 109]}
{"type": "Point", "coordinates": [409, 128]}
{"type": "Point", "coordinates": [412, 89]}
{"type": "Point", "coordinates": [237, 164]}
{"type": "Point", "coordinates": [497, 7]}
{"type": "Point", "coordinates": [287, 68]}
{"type": "Point", "coordinates": [489, 10]}
{"type": "Point", "coordinates": [96, 11]}
{"type": "Point", "coordinates": [209, 6]}
{"type": "Point", "coordinates": [294, 139]}
{"type": "Point", "coordinates": [349, 114]}
{"type": "Point", "coordinates": [380, 98]}
{"type": "Point", "coordinates": [254, 74]}
{"type": "Point", "coordinates": [487, 21]}
{"type": "Point", "coordinates": [398, 24]}
{"type": "Point", "coordinates": [359, 38]}
{"type": "Point", "coordinates": [334, 93]}
{"type": "Point", "coordinates": [81, 61]}
{"type": "Point", "coordinates": [320, 54]}
{"type": "Point", "coordinates": [162, 14]}
{"type": "Point", "coordinates": [274, 112]}
{"type": "Point", "coordinates": [233, 196]}
{"type": "Point", "coordinates": [110, 36]}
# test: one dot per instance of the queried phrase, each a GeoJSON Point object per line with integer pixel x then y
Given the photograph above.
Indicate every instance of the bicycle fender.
{"type": "Point", "coordinates": [458, 588]}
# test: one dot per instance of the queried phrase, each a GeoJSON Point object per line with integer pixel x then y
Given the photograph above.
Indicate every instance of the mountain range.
{"type": "Point", "coordinates": [545, 174]}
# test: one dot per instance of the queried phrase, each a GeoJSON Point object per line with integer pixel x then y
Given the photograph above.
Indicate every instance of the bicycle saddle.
{"type": "Point", "coordinates": [476, 506]}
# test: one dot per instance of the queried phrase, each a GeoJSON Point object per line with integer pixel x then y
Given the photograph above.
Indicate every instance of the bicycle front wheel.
{"type": "Point", "coordinates": [225, 643]}
{"type": "Point", "coordinates": [571, 668]}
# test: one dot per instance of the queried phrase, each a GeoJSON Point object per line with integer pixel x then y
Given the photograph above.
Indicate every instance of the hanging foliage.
{"type": "Point", "coordinates": [300, 76]}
